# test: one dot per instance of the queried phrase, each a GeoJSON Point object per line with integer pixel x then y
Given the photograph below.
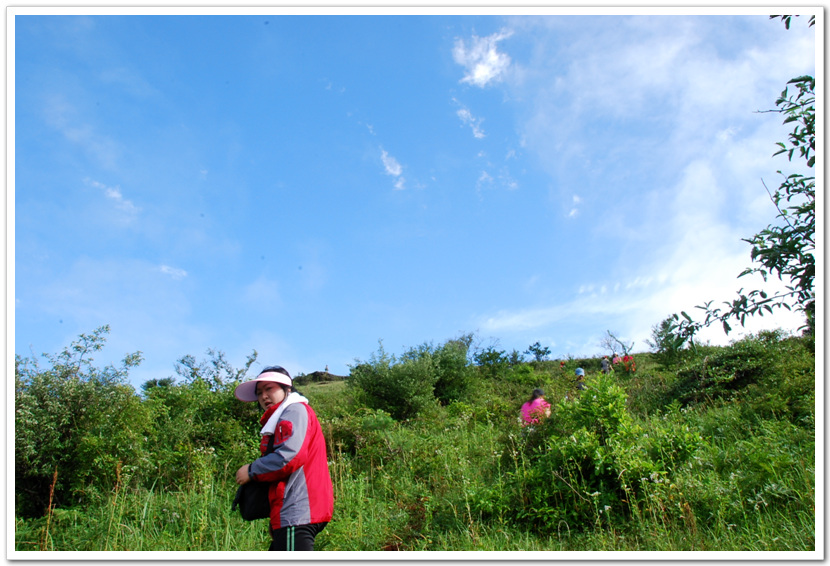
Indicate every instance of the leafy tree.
{"type": "Point", "coordinates": [785, 250]}
{"type": "Point", "coordinates": [539, 353]}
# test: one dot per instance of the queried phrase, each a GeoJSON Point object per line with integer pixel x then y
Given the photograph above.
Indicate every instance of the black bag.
{"type": "Point", "coordinates": [252, 497]}
{"type": "Point", "coordinates": [252, 500]}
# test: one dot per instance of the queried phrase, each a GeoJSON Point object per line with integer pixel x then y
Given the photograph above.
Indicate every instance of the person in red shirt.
{"type": "Point", "coordinates": [300, 493]}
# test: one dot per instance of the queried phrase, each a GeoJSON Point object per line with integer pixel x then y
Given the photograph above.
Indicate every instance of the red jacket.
{"type": "Point", "coordinates": [301, 492]}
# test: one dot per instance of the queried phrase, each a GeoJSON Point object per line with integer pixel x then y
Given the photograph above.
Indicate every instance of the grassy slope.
{"type": "Point", "coordinates": [433, 483]}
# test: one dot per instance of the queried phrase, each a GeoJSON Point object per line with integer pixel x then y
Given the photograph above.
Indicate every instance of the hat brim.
{"type": "Point", "coordinates": [247, 391]}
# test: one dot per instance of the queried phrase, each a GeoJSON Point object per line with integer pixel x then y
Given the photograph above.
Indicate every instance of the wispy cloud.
{"type": "Point", "coordinates": [575, 202]}
{"type": "Point", "coordinates": [507, 180]}
{"type": "Point", "coordinates": [696, 258]}
{"type": "Point", "coordinates": [114, 195]}
{"type": "Point", "coordinates": [469, 120]}
{"type": "Point", "coordinates": [174, 272]}
{"type": "Point", "coordinates": [481, 60]}
{"type": "Point", "coordinates": [393, 168]}
{"type": "Point", "coordinates": [63, 117]}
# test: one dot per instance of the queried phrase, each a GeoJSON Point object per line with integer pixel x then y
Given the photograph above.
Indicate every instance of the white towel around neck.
{"type": "Point", "coordinates": [271, 424]}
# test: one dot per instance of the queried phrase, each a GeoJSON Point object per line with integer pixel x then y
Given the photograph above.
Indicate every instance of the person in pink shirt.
{"type": "Point", "coordinates": [535, 408]}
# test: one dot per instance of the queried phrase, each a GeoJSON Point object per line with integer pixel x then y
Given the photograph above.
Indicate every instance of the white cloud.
{"type": "Point", "coordinates": [174, 272]}
{"type": "Point", "coordinates": [115, 196]}
{"type": "Point", "coordinates": [390, 164]}
{"type": "Point", "coordinates": [507, 180]}
{"type": "Point", "coordinates": [481, 59]}
{"type": "Point", "coordinates": [658, 128]}
{"type": "Point", "coordinates": [393, 168]}
{"type": "Point", "coordinates": [475, 123]}
{"type": "Point", "coordinates": [697, 258]}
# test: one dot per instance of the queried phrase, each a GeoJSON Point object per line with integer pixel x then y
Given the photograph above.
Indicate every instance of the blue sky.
{"type": "Point", "coordinates": [306, 186]}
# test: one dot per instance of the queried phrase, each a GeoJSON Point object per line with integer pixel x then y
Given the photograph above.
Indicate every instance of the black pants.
{"type": "Point", "coordinates": [300, 537]}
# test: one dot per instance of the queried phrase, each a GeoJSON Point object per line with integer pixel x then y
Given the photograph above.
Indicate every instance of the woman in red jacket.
{"type": "Point", "coordinates": [301, 494]}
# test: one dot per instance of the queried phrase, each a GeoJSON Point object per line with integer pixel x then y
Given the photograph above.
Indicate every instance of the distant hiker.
{"type": "Point", "coordinates": [535, 408]}
{"type": "Point", "coordinates": [606, 365]}
{"type": "Point", "coordinates": [562, 365]}
{"type": "Point", "coordinates": [616, 359]}
{"type": "Point", "coordinates": [327, 368]}
{"type": "Point", "coordinates": [580, 375]}
{"type": "Point", "coordinates": [300, 493]}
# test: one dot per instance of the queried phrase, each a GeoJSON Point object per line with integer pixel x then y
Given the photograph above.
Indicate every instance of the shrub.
{"type": "Point", "coordinates": [403, 389]}
{"type": "Point", "coordinates": [492, 362]}
{"type": "Point", "coordinates": [774, 374]}
{"type": "Point", "coordinates": [76, 418]}
{"type": "Point", "coordinates": [454, 374]}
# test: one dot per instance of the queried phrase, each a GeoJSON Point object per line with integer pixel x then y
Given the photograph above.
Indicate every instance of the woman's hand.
{"type": "Point", "coordinates": [242, 476]}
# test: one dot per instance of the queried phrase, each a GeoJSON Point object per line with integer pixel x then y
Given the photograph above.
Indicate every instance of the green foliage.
{"type": "Point", "coordinates": [90, 426]}
{"type": "Point", "coordinates": [454, 373]}
{"type": "Point", "coordinates": [195, 430]}
{"type": "Point", "coordinates": [624, 465]}
{"type": "Point", "coordinates": [407, 386]}
{"type": "Point", "coordinates": [744, 470]}
{"type": "Point", "coordinates": [572, 464]}
{"type": "Point", "coordinates": [768, 372]}
{"type": "Point", "coordinates": [539, 353]}
{"type": "Point", "coordinates": [492, 362]}
{"type": "Point", "coordinates": [403, 388]}
{"type": "Point", "coordinates": [525, 376]}
{"type": "Point", "coordinates": [75, 418]}
{"type": "Point", "coordinates": [666, 342]}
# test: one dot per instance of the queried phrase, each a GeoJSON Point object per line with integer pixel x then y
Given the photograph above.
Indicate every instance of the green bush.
{"type": "Point", "coordinates": [77, 420]}
{"type": "Point", "coordinates": [772, 373]}
{"type": "Point", "coordinates": [454, 374]}
{"type": "Point", "coordinates": [492, 363]}
{"type": "Point", "coordinates": [401, 388]}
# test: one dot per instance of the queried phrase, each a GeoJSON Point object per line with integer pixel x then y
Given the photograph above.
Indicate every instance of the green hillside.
{"type": "Point", "coordinates": [711, 450]}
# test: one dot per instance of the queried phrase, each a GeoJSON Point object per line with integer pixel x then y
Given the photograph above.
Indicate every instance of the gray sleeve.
{"type": "Point", "coordinates": [283, 460]}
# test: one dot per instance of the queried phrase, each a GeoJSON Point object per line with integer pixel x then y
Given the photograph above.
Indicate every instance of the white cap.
{"type": "Point", "coordinates": [247, 391]}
